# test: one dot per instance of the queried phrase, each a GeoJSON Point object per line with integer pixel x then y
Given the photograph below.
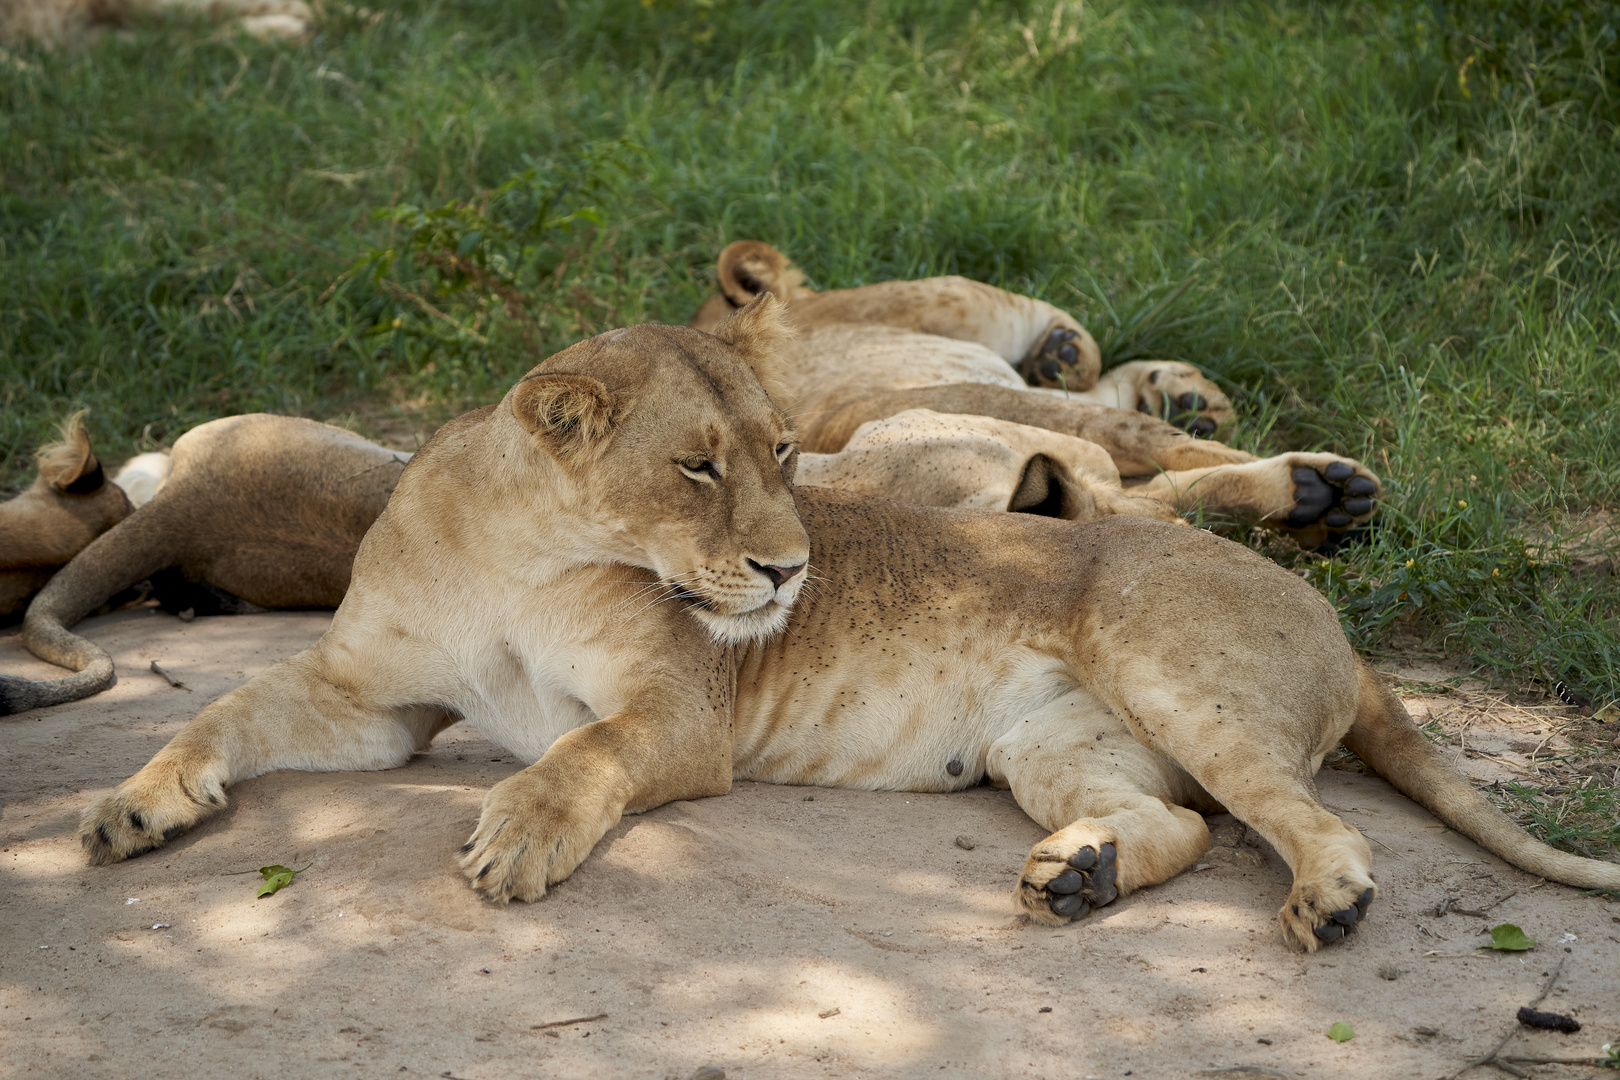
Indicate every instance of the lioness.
{"type": "Point", "coordinates": [253, 512]}
{"type": "Point", "coordinates": [70, 503]}
{"type": "Point", "coordinates": [1111, 674]}
{"type": "Point", "coordinates": [957, 346]}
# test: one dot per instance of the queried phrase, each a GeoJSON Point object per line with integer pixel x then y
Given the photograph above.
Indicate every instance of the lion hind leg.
{"type": "Point", "coordinates": [1310, 496]}
{"type": "Point", "coordinates": [290, 717]}
{"type": "Point", "coordinates": [1113, 805]}
{"type": "Point", "coordinates": [1331, 861]}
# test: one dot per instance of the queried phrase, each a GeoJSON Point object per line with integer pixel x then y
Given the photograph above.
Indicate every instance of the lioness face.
{"type": "Point", "coordinates": [688, 465]}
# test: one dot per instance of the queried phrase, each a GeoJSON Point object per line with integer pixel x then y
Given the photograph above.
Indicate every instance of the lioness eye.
{"type": "Point", "coordinates": [699, 469]}
{"type": "Point", "coordinates": [783, 450]}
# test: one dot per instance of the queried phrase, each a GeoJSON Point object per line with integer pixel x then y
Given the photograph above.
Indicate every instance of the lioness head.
{"type": "Point", "coordinates": [680, 461]}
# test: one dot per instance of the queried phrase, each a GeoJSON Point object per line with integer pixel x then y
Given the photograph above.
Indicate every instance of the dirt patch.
{"type": "Point", "coordinates": [774, 932]}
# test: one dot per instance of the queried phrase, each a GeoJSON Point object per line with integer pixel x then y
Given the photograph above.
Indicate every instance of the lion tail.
{"type": "Point", "coordinates": [1385, 737]}
{"type": "Point", "coordinates": [129, 552]}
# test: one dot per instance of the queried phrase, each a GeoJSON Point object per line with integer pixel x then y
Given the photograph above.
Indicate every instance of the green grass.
{"type": "Point", "coordinates": [1386, 258]}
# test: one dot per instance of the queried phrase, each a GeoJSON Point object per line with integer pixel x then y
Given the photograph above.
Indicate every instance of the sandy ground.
{"type": "Point", "coordinates": [775, 932]}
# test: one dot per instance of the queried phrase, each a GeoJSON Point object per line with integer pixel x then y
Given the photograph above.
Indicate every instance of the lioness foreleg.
{"type": "Point", "coordinates": [1139, 444]}
{"type": "Point", "coordinates": [538, 825]}
{"type": "Point", "coordinates": [1114, 805]}
{"type": "Point", "coordinates": [291, 717]}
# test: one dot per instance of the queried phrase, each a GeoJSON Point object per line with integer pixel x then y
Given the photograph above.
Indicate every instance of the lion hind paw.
{"type": "Point", "coordinates": [1315, 916]}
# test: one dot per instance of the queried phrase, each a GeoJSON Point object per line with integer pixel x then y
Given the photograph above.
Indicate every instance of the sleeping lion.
{"type": "Point", "coordinates": [955, 346]}
{"type": "Point", "coordinates": [1117, 676]}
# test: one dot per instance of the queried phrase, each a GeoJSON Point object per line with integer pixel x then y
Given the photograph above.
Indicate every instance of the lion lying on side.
{"type": "Point", "coordinates": [957, 346]}
{"type": "Point", "coordinates": [516, 578]}
{"type": "Point", "coordinates": [255, 512]}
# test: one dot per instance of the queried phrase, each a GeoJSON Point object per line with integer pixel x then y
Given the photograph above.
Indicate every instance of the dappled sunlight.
{"type": "Point", "coordinates": [775, 931]}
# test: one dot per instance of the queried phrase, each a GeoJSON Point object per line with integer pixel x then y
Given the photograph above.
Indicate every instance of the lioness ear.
{"type": "Point", "coordinates": [750, 267]}
{"type": "Point", "coordinates": [565, 413]}
{"type": "Point", "coordinates": [759, 330]}
{"type": "Point", "coordinates": [70, 466]}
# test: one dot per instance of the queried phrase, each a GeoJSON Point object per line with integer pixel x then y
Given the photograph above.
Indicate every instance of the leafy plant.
{"type": "Point", "coordinates": [1340, 1032]}
{"type": "Point", "coordinates": [492, 253]}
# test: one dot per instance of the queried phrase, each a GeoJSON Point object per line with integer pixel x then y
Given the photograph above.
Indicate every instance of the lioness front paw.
{"type": "Point", "coordinates": [1331, 495]}
{"type": "Point", "coordinates": [144, 812]}
{"type": "Point", "coordinates": [1060, 361]}
{"type": "Point", "coordinates": [525, 842]}
{"type": "Point", "coordinates": [1315, 916]}
{"type": "Point", "coordinates": [1054, 889]}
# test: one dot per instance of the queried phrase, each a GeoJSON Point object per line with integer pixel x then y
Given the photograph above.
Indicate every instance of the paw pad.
{"type": "Point", "coordinates": [1336, 496]}
{"type": "Point", "coordinates": [1344, 922]}
{"type": "Point", "coordinates": [1086, 882]}
{"type": "Point", "coordinates": [1052, 361]}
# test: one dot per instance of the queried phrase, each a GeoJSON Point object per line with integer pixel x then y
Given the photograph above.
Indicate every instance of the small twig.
{"type": "Point", "coordinates": [1490, 1058]}
{"type": "Point", "coordinates": [1555, 1061]}
{"type": "Point", "coordinates": [170, 679]}
{"type": "Point", "coordinates": [1479, 913]}
{"type": "Point", "coordinates": [568, 1023]}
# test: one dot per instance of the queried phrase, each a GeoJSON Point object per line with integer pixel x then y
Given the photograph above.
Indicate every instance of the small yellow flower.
{"type": "Point", "coordinates": [1496, 572]}
{"type": "Point", "coordinates": [396, 323]}
{"type": "Point", "coordinates": [1461, 505]}
{"type": "Point", "coordinates": [1409, 562]}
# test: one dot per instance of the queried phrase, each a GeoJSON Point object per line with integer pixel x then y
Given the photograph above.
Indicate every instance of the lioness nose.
{"type": "Point", "coordinates": [777, 574]}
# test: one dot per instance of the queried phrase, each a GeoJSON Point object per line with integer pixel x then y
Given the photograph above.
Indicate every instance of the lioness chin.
{"type": "Point", "coordinates": [1117, 676]}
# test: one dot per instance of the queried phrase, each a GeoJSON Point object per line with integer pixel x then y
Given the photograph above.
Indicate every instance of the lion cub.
{"type": "Point", "coordinates": [1117, 676]}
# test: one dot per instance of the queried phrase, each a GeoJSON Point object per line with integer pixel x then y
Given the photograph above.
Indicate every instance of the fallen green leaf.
{"type": "Point", "coordinates": [277, 878]}
{"type": "Point", "coordinates": [1341, 1032]}
{"type": "Point", "coordinates": [1505, 937]}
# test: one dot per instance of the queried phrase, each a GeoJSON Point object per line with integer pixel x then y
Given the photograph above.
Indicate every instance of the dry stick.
{"type": "Point", "coordinates": [1555, 1061]}
{"type": "Point", "coordinates": [1490, 1058]}
{"type": "Point", "coordinates": [170, 679]}
{"type": "Point", "coordinates": [1480, 912]}
{"type": "Point", "coordinates": [576, 1020]}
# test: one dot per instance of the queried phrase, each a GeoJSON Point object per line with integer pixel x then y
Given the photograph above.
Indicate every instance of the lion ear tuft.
{"type": "Point", "coordinates": [70, 465]}
{"type": "Point", "coordinates": [759, 331]}
{"type": "Point", "coordinates": [747, 268]}
{"type": "Point", "coordinates": [565, 413]}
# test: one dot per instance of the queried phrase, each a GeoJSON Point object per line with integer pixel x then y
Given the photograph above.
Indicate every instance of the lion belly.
{"type": "Point", "coordinates": [910, 716]}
